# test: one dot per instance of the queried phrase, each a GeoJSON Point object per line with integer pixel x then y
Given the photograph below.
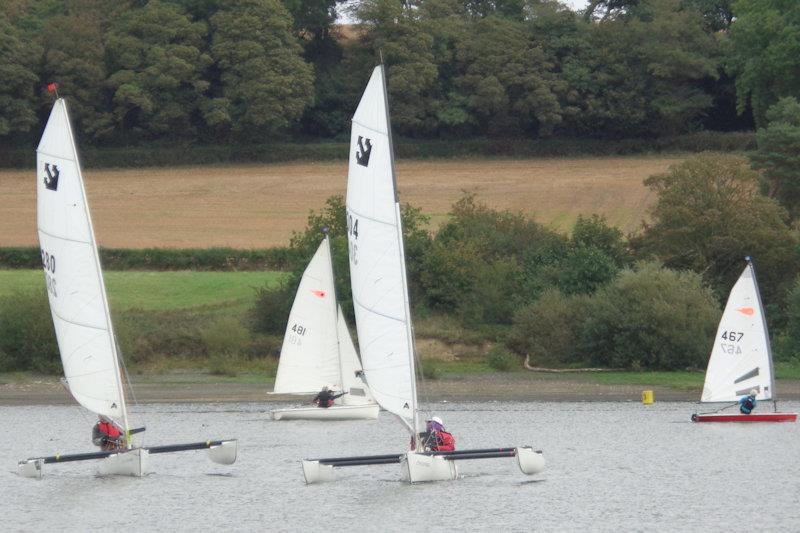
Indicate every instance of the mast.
{"type": "Point", "coordinates": [404, 275]}
{"type": "Point", "coordinates": [96, 256]}
{"type": "Point", "coordinates": [774, 393]}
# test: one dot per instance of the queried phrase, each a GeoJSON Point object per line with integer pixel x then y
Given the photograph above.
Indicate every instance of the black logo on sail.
{"type": "Point", "coordinates": [405, 406]}
{"type": "Point", "coordinates": [51, 180]}
{"type": "Point", "coordinates": [363, 152]}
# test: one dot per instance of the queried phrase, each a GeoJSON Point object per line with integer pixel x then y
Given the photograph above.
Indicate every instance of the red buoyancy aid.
{"type": "Point", "coordinates": [107, 428]}
{"type": "Point", "coordinates": [448, 443]}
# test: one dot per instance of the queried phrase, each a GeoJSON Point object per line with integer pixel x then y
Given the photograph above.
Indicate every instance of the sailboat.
{"type": "Point", "coordinates": [741, 359]}
{"type": "Point", "coordinates": [318, 351]}
{"type": "Point", "coordinates": [78, 303]}
{"type": "Point", "coordinates": [380, 298]}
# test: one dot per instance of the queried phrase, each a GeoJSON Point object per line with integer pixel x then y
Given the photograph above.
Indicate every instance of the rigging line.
{"type": "Point", "coordinates": [128, 382]}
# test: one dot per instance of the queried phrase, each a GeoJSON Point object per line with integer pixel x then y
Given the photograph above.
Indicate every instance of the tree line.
{"type": "Point", "coordinates": [228, 71]}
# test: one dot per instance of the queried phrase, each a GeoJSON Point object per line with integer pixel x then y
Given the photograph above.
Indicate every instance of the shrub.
{"type": "Point", "coordinates": [548, 330]}
{"type": "Point", "coordinates": [501, 360]}
{"type": "Point", "coordinates": [146, 335]}
{"type": "Point", "coordinates": [650, 318]}
{"type": "Point", "coordinates": [271, 309]}
{"type": "Point", "coordinates": [221, 259]}
{"type": "Point", "coordinates": [431, 369]}
{"type": "Point", "coordinates": [226, 341]}
{"type": "Point", "coordinates": [27, 338]}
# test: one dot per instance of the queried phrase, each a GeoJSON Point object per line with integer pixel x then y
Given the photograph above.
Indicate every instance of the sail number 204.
{"type": "Point", "coordinates": [731, 347]}
{"type": "Point", "coordinates": [49, 264]}
{"type": "Point", "coordinates": [352, 232]}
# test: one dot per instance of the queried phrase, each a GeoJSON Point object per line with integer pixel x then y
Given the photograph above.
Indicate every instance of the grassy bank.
{"type": "Point", "coordinates": [162, 291]}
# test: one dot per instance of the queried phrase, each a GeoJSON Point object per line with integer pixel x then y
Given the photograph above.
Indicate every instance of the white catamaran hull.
{"type": "Point", "coordinates": [337, 412]}
{"type": "Point", "coordinates": [129, 463]}
{"type": "Point", "coordinates": [31, 468]}
{"type": "Point", "coordinates": [418, 468]}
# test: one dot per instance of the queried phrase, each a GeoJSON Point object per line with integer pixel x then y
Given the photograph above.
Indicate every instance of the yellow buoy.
{"type": "Point", "coordinates": [647, 397]}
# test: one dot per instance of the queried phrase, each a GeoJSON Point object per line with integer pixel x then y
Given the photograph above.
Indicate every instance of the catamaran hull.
{"type": "Point", "coordinates": [31, 468]}
{"type": "Point", "coordinates": [129, 463]}
{"type": "Point", "coordinates": [419, 468]}
{"type": "Point", "coordinates": [530, 461]}
{"type": "Point", "coordinates": [759, 417]}
{"type": "Point", "coordinates": [337, 412]}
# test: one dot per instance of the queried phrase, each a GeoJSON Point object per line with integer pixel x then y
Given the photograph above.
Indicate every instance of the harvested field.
{"type": "Point", "coordinates": [249, 206]}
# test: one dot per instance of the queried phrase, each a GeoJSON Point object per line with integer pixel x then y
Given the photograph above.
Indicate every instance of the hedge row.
{"type": "Point", "coordinates": [159, 155]}
{"type": "Point", "coordinates": [222, 259]}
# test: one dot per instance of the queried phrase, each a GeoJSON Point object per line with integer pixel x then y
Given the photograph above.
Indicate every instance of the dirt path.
{"type": "Point", "coordinates": [249, 206]}
{"type": "Point", "coordinates": [200, 388]}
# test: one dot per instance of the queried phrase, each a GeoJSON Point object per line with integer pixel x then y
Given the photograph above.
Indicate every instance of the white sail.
{"type": "Point", "coordinates": [377, 262]}
{"type": "Point", "coordinates": [741, 359]}
{"type": "Point", "coordinates": [310, 352]}
{"type": "Point", "coordinates": [358, 392]}
{"type": "Point", "coordinates": [73, 275]}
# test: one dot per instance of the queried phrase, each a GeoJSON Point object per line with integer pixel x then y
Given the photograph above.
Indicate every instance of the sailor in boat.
{"type": "Point", "coordinates": [326, 397]}
{"type": "Point", "coordinates": [108, 435]}
{"type": "Point", "coordinates": [748, 403]}
{"type": "Point", "coordinates": [435, 438]}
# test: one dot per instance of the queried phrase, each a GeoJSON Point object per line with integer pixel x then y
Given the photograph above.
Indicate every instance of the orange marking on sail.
{"type": "Point", "coordinates": [319, 294]}
{"type": "Point", "coordinates": [746, 310]}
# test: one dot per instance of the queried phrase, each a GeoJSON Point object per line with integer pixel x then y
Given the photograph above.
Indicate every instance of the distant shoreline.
{"type": "Point", "coordinates": [505, 387]}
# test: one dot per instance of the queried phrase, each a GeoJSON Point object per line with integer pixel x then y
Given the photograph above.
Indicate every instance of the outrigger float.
{"type": "Point", "coordinates": [77, 295]}
{"type": "Point", "coordinates": [380, 300]}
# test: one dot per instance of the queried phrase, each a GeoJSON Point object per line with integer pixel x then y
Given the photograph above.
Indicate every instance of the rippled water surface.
{"type": "Point", "coordinates": [611, 466]}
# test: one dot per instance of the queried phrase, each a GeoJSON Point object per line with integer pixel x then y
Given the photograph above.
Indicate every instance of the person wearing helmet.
{"type": "Point", "coordinates": [748, 403]}
{"type": "Point", "coordinates": [107, 435]}
{"type": "Point", "coordinates": [326, 397]}
{"type": "Point", "coordinates": [435, 438]}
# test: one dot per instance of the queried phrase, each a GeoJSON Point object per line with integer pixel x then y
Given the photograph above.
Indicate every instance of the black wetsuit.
{"type": "Point", "coordinates": [325, 398]}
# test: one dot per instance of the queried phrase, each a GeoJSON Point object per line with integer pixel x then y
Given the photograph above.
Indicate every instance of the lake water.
{"type": "Point", "coordinates": [611, 467]}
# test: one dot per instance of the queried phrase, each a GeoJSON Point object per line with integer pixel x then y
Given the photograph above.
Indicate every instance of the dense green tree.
{"type": "Point", "coordinates": [396, 31]}
{"type": "Point", "coordinates": [650, 318]}
{"type": "Point", "coordinates": [74, 57]}
{"type": "Point", "coordinates": [265, 84]}
{"type": "Point", "coordinates": [709, 215]}
{"type": "Point", "coordinates": [156, 62]}
{"type": "Point", "coordinates": [778, 154]}
{"type": "Point", "coordinates": [507, 82]}
{"type": "Point", "coordinates": [17, 79]}
{"type": "Point", "coordinates": [642, 73]}
{"type": "Point", "coordinates": [764, 53]}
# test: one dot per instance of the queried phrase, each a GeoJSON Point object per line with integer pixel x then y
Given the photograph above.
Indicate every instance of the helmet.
{"type": "Point", "coordinates": [753, 392]}
{"type": "Point", "coordinates": [324, 387]}
{"type": "Point", "coordinates": [437, 420]}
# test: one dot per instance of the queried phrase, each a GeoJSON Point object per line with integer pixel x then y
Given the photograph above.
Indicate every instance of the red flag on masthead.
{"type": "Point", "coordinates": [52, 87]}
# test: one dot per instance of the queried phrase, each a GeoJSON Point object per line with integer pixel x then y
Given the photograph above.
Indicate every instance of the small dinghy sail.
{"type": "Point", "coordinates": [318, 351]}
{"type": "Point", "coordinates": [741, 359]}
{"type": "Point", "coordinates": [380, 299]}
{"type": "Point", "coordinates": [79, 306]}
